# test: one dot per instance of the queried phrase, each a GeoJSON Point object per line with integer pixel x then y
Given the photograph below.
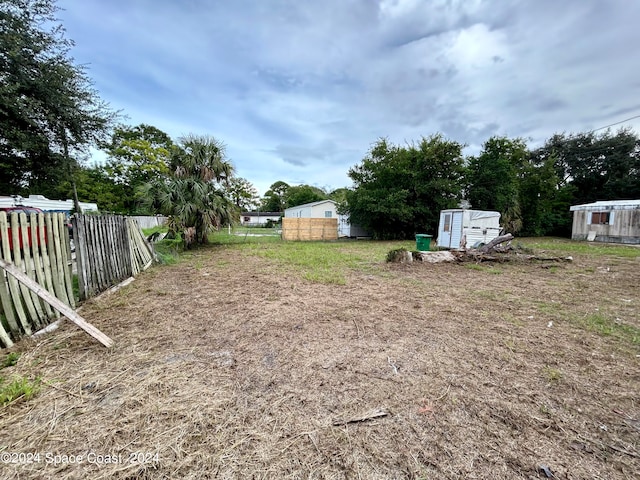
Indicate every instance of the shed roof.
{"type": "Point", "coordinates": [475, 213]}
{"type": "Point", "coordinates": [608, 205]}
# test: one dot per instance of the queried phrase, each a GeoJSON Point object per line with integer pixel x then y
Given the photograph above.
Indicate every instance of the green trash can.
{"type": "Point", "coordinates": [423, 242]}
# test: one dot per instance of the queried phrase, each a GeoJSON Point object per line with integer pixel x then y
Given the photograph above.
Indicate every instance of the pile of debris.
{"type": "Point", "coordinates": [497, 250]}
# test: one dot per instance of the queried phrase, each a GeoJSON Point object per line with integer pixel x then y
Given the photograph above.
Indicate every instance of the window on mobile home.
{"type": "Point", "coordinates": [600, 218]}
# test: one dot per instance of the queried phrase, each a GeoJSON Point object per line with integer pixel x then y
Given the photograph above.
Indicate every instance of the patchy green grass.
{"type": "Point", "coordinates": [552, 375]}
{"type": "Point", "coordinates": [322, 262]}
{"type": "Point", "coordinates": [17, 388]}
{"type": "Point", "coordinates": [563, 246]}
{"type": "Point", "coordinates": [243, 235]}
{"type": "Point", "coordinates": [156, 229]}
{"type": "Point", "coordinates": [9, 360]}
{"type": "Point", "coordinates": [604, 325]}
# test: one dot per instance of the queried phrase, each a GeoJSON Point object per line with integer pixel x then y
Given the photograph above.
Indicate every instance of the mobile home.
{"type": "Point", "coordinates": [615, 221]}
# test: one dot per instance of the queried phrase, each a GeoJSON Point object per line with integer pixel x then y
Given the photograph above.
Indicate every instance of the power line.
{"type": "Point", "coordinates": [613, 124]}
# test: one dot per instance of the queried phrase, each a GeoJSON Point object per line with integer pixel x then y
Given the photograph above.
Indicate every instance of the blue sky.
{"type": "Point", "coordinates": [299, 90]}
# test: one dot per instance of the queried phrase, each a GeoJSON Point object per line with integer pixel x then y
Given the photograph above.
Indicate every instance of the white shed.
{"type": "Point", "coordinates": [475, 226]}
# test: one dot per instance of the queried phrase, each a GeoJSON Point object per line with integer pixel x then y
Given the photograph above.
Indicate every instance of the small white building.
{"type": "Point", "coordinates": [615, 221]}
{"type": "Point", "coordinates": [43, 203]}
{"type": "Point", "coordinates": [460, 227]}
{"type": "Point", "coordinates": [258, 219]}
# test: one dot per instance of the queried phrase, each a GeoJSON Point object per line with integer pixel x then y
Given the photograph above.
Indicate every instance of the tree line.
{"type": "Point", "coordinates": [399, 190]}
{"type": "Point", "coordinates": [50, 117]}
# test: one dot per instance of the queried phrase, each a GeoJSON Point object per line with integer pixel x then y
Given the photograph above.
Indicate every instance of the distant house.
{"type": "Point", "coordinates": [43, 203]}
{"type": "Point", "coordinates": [460, 227]}
{"type": "Point", "coordinates": [615, 221]}
{"type": "Point", "coordinates": [257, 219]}
{"type": "Point", "coordinates": [326, 209]}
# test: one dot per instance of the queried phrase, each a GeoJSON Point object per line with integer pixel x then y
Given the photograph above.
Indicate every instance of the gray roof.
{"type": "Point", "coordinates": [608, 205]}
{"type": "Point", "coordinates": [312, 204]}
{"type": "Point", "coordinates": [261, 214]}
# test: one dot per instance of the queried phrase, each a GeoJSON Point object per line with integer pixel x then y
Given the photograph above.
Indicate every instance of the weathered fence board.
{"type": "Point", "coordinates": [109, 249]}
{"type": "Point", "coordinates": [37, 246]}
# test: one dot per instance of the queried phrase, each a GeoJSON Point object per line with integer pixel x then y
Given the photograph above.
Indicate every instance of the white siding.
{"type": "Point", "coordinates": [476, 225]}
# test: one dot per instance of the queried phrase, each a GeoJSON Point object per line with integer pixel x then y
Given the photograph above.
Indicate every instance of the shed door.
{"type": "Point", "coordinates": [456, 229]}
{"type": "Point", "coordinates": [444, 235]}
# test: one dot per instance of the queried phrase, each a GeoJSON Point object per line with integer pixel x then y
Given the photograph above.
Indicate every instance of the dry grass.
{"type": "Point", "coordinates": [230, 365]}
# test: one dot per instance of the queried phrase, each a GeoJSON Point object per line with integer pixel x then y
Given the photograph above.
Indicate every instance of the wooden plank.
{"type": "Point", "coordinates": [39, 320]}
{"type": "Point", "coordinates": [57, 244]}
{"type": "Point", "coordinates": [5, 339]}
{"type": "Point", "coordinates": [5, 296]}
{"type": "Point", "coordinates": [99, 255]}
{"type": "Point", "coordinates": [108, 253]}
{"type": "Point", "coordinates": [37, 259]}
{"type": "Point", "coordinates": [53, 261]}
{"type": "Point", "coordinates": [377, 413]}
{"type": "Point", "coordinates": [92, 263]}
{"type": "Point", "coordinates": [7, 305]}
{"type": "Point", "coordinates": [78, 239]}
{"type": "Point", "coordinates": [65, 248]}
{"type": "Point", "coordinates": [114, 257]}
{"type": "Point", "coordinates": [46, 262]}
{"type": "Point", "coordinates": [57, 304]}
{"type": "Point", "coordinates": [91, 256]}
{"type": "Point", "coordinates": [146, 255]}
{"type": "Point", "coordinates": [17, 261]}
{"type": "Point", "coordinates": [124, 242]}
{"type": "Point", "coordinates": [106, 247]}
{"type": "Point", "coordinates": [132, 248]}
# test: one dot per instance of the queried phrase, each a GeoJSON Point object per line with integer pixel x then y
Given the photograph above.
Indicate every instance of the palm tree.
{"type": "Point", "coordinates": [190, 196]}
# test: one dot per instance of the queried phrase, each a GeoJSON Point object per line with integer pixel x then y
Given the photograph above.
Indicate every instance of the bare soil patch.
{"type": "Point", "coordinates": [228, 365]}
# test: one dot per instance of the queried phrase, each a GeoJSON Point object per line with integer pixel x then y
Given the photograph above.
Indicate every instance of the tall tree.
{"type": "Point", "coordinates": [190, 195]}
{"type": "Point", "coordinates": [49, 112]}
{"type": "Point", "coordinates": [274, 199]}
{"type": "Point", "coordinates": [399, 191]}
{"type": "Point", "coordinates": [578, 168]}
{"type": "Point", "coordinates": [137, 155]}
{"type": "Point", "coordinates": [602, 166]}
{"type": "Point", "coordinates": [493, 179]}
{"type": "Point", "coordinates": [301, 194]}
{"type": "Point", "coordinates": [242, 193]}
{"type": "Point", "coordinates": [94, 184]}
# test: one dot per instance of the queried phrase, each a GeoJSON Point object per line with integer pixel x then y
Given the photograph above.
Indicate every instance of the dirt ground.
{"type": "Point", "coordinates": [228, 365]}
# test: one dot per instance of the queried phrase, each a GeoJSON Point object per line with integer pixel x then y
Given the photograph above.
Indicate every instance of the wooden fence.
{"type": "Point", "coordinates": [309, 228]}
{"type": "Point", "coordinates": [109, 249]}
{"type": "Point", "coordinates": [38, 245]}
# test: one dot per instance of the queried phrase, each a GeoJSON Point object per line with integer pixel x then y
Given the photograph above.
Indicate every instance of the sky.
{"type": "Point", "coordinates": [299, 90]}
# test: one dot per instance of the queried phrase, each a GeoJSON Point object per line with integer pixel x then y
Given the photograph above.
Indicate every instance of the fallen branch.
{"type": "Point", "coordinates": [496, 241]}
{"type": "Point", "coordinates": [381, 412]}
